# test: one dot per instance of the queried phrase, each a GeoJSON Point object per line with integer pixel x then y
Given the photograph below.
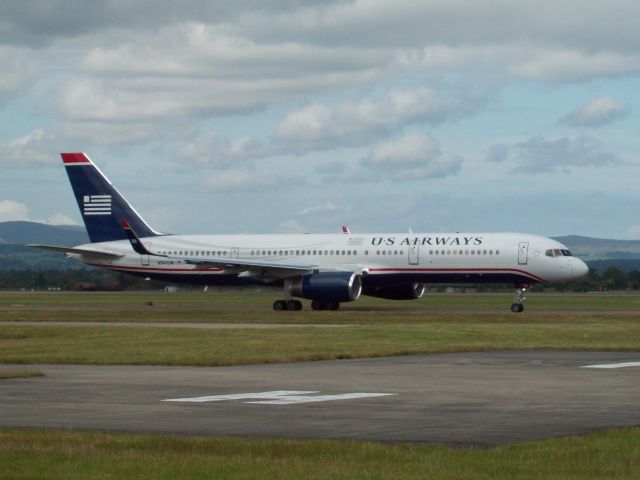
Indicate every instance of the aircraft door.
{"type": "Point", "coordinates": [234, 252]}
{"type": "Point", "coordinates": [414, 254]}
{"type": "Point", "coordinates": [523, 253]}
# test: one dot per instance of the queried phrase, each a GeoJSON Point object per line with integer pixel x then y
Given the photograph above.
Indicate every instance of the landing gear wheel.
{"type": "Point", "coordinates": [332, 305]}
{"type": "Point", "coordinates": [518, 301]}
{"type": "Point", "coordinates": [293, 305]}
{"type": "Point", "coordinates": [325, 305]}
{"type": "Point", "coordinates": [279, 305]}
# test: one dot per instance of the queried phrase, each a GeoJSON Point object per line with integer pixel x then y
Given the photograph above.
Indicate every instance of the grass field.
{"type": "Point", "coordinates": [453, 323]}
{"type": "Point", "coordinates": [253, 299]}
{"type": "Point", "coordinates": [62, 455]}
{"type": "Point", "coordinates": [371, 327]}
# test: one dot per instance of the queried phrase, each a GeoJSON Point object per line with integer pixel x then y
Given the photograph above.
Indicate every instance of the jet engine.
{"type": "Point", "coordinates": [328, 286]}
{"type": "Point", "coordinates": [404, 291]}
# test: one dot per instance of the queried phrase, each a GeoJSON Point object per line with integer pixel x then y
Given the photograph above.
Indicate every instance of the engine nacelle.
{"type": "Point", "coordinates": [405, 291]}
{"type": "Point", "coordinates": [328, 286]}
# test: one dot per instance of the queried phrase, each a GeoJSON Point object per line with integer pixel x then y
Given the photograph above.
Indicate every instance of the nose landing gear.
{"type": "Point", "coordinates": [518, 302]}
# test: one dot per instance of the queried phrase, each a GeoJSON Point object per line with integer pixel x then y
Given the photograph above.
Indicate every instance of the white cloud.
{"type": "Point", "coordinates": [11, 210]}
{"type": "Point", "coordinates": [33, 150]}
{"type": "Point", "coordinates": [60, 219]}
{"type": "Point", "coordinates": [573, 65]}
{"type": "Point", "coordinates": [210, 150]}
{"type": "Point", "coordinates": [327, 208]}
{"type": "Point", "coordinates": [596, 112]}
{"type": "Point", "coordinates": [238, 180]}
{"type": "Point", "coordinates": [542, 155]}
{"type": "Point", "coordinates": [412, 156]}
{"type": "Point", "coordinates": [633, 232]}
{"type": "Point", "coordinates": [18, 71]}
{"type": "Point", "coordinates": [290, 226]}
{"type": "Point", "coordinates": [351, 123]}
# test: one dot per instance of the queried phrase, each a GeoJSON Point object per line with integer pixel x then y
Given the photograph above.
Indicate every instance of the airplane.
{"type": "Point", "coordinates": [327, 269]}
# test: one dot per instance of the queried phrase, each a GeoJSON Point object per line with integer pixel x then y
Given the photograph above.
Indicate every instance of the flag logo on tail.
{"type": "Point", "coordinates": [97, 205]}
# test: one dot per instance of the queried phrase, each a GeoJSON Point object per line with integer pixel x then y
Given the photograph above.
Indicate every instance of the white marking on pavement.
{"type": "Point", "coordinates": [279, 397]}
{"type": "Point", "coordinates": [289, 400]}
{"type": "Point", "coordinates": [614, 365]}
{"type": "Point", "coordinates": [239, 396]}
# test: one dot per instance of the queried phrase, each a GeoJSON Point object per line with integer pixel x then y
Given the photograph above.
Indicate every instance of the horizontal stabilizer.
{"type": "Point", "coordinates": [78, 251]}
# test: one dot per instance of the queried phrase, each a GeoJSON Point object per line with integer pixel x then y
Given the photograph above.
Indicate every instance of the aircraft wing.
{"type": "Point", "coordinates": [79, 251]}
{"type": "Point", "coordinates": [260, 268]}
{"type": "Point", "coordinates": [265, 269]}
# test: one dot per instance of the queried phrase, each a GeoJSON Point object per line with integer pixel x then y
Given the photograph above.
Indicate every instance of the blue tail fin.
{"type": "Point", "coordinates": [101, 205]}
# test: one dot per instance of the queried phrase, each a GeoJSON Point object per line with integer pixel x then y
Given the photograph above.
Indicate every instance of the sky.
{"type": "Point", "coordinates": [302, 116]}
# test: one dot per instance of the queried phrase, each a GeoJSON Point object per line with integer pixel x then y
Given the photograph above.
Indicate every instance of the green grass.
{"type": "Point", "coordinates": [10, 374]}
{"type": "Point", "coordinates": [437, 323]}
{"type": "Point", "coordinates": [611, 454]}
{"type": "Point", "coordinates": [252, 299]}
{"type": "Point", "coordinates": [187, 346]}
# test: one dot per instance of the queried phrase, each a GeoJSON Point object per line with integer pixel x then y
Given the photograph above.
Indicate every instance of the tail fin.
{"type": "Point", "coordinates": [100, 203]}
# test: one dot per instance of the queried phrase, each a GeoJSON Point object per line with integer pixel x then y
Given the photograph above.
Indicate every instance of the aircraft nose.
{"type": "Point", "coordinates": [580, 269]}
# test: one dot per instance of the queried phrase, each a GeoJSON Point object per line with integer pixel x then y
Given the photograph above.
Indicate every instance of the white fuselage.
{"type": "Point", "coordinates": [421, 257]}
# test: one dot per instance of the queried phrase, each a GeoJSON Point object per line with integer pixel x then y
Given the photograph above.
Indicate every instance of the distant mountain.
{"type": "Point", "coordinates": [20, 233]}
{"type": "Point", "coordinates": [590, 249]}
{"type": "Point", "coordinates": [15, 256]}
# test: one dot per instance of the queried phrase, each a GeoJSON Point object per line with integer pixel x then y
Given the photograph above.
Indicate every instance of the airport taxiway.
{"type": "Point", "coordinates": [481, 399]}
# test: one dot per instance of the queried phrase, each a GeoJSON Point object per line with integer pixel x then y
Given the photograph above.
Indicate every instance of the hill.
{"type": "Point", "coordinates": [589, 248]}
{"type": "Point", "coordinates": [20, 233]}
{"type": "Point", "coordinates": [14, 235]}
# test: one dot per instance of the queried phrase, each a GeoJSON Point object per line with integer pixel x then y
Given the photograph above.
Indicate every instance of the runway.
{"type": "Point", "coordinates": [460, 399]}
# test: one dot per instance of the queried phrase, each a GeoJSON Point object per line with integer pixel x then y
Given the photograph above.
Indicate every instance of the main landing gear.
{"type": "Point", "coordinates": [324, 305]}
{"type": "Point", "coordinates": [518, 302]}
{"type": "Point", "coordinates": [289, 305]}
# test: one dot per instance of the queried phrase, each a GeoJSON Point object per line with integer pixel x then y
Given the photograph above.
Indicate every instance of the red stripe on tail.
{"type": "Point", "coordinates": [78, 157]}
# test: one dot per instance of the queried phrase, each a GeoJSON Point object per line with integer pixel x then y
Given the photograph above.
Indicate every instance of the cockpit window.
{"type": "Point", "coordinates": [558, 253]}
